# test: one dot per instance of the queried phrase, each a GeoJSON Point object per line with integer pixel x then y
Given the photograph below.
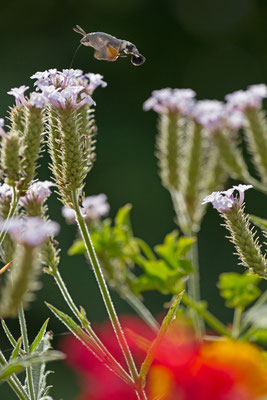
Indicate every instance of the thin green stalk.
{"type": "Point", "coordinates": [237, 322]}
{"type": "Point", "coordinates": [12, 210]}
{"type": "Point", "coordinates": [140, 309]}
{"type": "Point", "coordinates": [212, 321]}
{"type": "Point", "coordinates": [25, 340]}
{"type": "Point", "coordinates": [194, 290]}
{"type": "Point", "coordinates": [14, 382]}
{"type": "Point", "coordinates": [161, 334]}
{"type": "Point", "coordinates": [106, 295]}
{"type": "Point", "coordinates": [99, 345]}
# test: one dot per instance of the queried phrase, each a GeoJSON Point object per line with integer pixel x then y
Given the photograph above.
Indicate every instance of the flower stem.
{"type": "Point", "coordinates": [99, 346]}
{"type": "Point", "coordinates": [14, 382]}
{"type": "Point", "coordinates": [194, 290]}
{"type": "Point", "coordinates": [237, 322]}
{"type": "Point", "coordinates": [25, 340]}
{"type": "Point", "coordinates": [106, 295]}
{"type": "Point", "coordinates": [212, 321]}
{"type": "Point", "coordinates": [13, 207]}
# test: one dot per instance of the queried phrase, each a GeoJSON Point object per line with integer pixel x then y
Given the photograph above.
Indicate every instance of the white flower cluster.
{"type": "Point", "coordinates": [67, 88]}
{"type": "Point", "coordinates": [211, 114]}
{"type": "Point", "coordinates": [223, 201]}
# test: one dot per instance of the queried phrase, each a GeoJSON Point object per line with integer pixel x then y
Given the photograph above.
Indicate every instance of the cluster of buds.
{"type": "Point", "coordinates": [197, 145]}
{"type": "Point", "coordinates": [231, 209]}
{"type": "Point", "coordinates": [29, 234]}
{"type": "Point", "coordinates": [70, 126]}
{"type": "Point", "coordinates": [187, 160]}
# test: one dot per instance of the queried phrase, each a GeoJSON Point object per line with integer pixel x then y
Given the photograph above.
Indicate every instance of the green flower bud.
{"type": "Point", "coordinates": [169, 142]}
{"type": "Point", "coordinates": [11, 160]}
{"type": "Point", "coordinates": [256, 135]}
{"type": "Point", "coordinates": [21, 281]}
{"type": "Point", "coordinates": [17, 118]}
{"type": "Point", "coordinates": [243, 237]}
{"type": "Point", "coordinates": [230, 155]}
{"type": "Point", "coordinates": [30, 143]}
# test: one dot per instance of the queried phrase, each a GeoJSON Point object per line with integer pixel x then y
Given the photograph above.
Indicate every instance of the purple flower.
{"type": "Point", "coordinates": [247, 99]}
{"type": "Point", "coordinates": [31, 231]}
{"type": "Point", "coordinates": [69, 214]}
{"type": "Point", "coordinates": [95, 80]}
{"type": "Point", "coordinates": [2, 124]}
{"type": "Point", "coordinates": [18, 93]}
{"type": "Point", "coordinates": [37, 100]}
{"type": "Point", "coordinates": [210, 114]}
{"type": "Point", "coordinates": [37, 193]}
{"type": "Point", "coordinates": [223, 201]}
{"type": "Point", "coordinates": [93, 208]}
{"type": "Point", "coordinates": [171, 100]}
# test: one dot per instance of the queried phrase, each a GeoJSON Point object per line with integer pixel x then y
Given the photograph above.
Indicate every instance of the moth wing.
{"type": "Point", "coordinates": [112, 53]}
{"type": "Point", "coordinates": [107, 53]}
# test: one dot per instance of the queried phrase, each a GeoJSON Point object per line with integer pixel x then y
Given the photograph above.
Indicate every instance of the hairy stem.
{"type": "Point", "coordinates": [25, 340]}
{"type": "Point", "coordinates": [106, 295]}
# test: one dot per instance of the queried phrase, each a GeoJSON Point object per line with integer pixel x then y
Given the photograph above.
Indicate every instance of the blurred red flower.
{"type": "Point", "coordinates": [182, 369]}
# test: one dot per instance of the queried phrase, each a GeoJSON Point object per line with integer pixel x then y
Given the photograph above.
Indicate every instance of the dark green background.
{"type": "Point", "coordinates": [211, 46]}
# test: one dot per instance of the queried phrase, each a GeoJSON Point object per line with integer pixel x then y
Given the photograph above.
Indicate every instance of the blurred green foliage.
{"type": "Point", "coordinates": [212, 46]}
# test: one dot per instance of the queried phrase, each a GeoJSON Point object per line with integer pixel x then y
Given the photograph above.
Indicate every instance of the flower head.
{"type": "Point", "coordinates": [209, 113]}
{"type": "Point", "coordinates": [69, 87]}
{"type": "Point", "coordinates": [247, 99]}
{"type": "Point", "coordinates": [95, 80]}
{"type": "Point", "coordinates": [31, 231]}
{"type": "Point", "coordinates": [171, 100]}
{"type": "Point", "coordinates": [38, 192]}
{"type": "Point", "coordinates": [223, 201]}
{"type": "Point", "coordinates": [18, 93]}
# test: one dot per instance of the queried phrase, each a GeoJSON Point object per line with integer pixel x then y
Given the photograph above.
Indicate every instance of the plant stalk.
{"type": "Point", "coordinates": [106, 295]}
{"type": "Point", "coordinates": [25, 340]}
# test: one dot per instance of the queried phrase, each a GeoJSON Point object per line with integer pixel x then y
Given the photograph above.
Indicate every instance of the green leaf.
{"type": "Point", "coordinates": [259, 336]}
{"type": "Point", "coordinates": [239, 290]}
{"type": "Point", "coordinates": [174, 249]}
{"type": "Point", "coordinates": [16, 350]}
{"type": "Point", "coordinates": [18, 365]}
{"type": "Point", "coordinates": [123, 216]}
{"type": "Point", "coordinates": [78, 247]}
{"type": "Point", "coordinates": [9, 335]}
{"type": "Point", "coordinates": [260, 222]}
{"type": "Point", "coordinates": [39, 337]}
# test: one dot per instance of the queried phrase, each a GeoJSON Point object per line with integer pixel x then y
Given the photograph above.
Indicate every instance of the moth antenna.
{"type": "Point", "coordinates": [74, 55]}
{"type": "Point", "coordinates": [79, 30]}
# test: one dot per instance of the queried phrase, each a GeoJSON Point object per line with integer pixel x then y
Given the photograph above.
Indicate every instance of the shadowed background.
{"type": "Point", "coordinates": [211, 46]}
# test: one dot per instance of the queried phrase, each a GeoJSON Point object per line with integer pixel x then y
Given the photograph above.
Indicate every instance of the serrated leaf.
{"type": "Point", "coordinates": [20, 364]}
{"type": "Point", "coordinates": [16, 350]}
{"type": "Point", "coordinates": [239, 290]}
{"type": "Point", "coordinates": [78, 247]}
{"type": "Point", "coordinates": [173, 249]}
{"type": "Point", "coordinates": [39, 337]}
{"type": "Point", "coordinates": [260, 222]}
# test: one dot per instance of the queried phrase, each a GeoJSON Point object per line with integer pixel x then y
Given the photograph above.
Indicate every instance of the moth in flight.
{"type": "Point", "coordinates": [108, 47]}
